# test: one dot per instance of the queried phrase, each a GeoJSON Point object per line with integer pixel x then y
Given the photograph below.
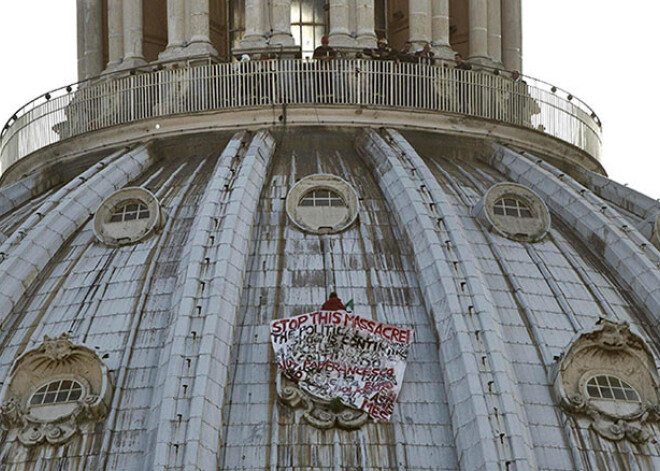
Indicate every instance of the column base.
{"type": "Point", "coordinates": [484, 61]}
{"type": "Point", "coordinates": [172, 53]}
{"type": "Point", "coordinates": [131, 63]}
{"type": "Point", "coordinates": [253, 41]}
{"type": "Point", "coordinates": [200, 48]}
{"type": "Point", "coordinates": [342, 40]}
{"type": "Point", "coordinates": [366, 41]}
{"type": "Point", "coordinates": [111, 67]}
{"type": "Point", "coordinates": [260, 51]}
{"type": "Point", "coordinates": [443, 51]}
{"type": "Point", "coordinates": [281, 39]}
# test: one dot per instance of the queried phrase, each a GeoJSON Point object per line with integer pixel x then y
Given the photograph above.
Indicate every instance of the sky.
{"type": "Point", "coordinates": [599, 50]}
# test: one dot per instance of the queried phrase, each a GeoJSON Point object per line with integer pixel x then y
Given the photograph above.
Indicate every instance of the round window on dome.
{"type": "Point", "coordinates": [514, 211]}
{"type": "Point", "coordinates": [322, 204]}
{"type": "Point", "coordinates": [127, 216]}
{"type": "Point", "coordinates": [612, 395]}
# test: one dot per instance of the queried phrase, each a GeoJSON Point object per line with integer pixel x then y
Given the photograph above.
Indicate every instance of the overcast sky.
{"type": "Point", "coordinates": [601, 51]}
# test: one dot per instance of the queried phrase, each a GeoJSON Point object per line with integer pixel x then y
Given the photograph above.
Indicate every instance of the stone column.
{"type": "Point", "coordinates": [440, 29]}
{"type": "Point", "coordinates": [281, 23]}
{"type": "Point", "coordinates": [176, 29]}
{"type": "Point", "coordinates": [132, 10]}
{"type": "Point", "coordinates": [495, 31]}
{"type": "Point", "coordinates": [115, 33]}
{"type": "Point", "coordinates": [255, 13]}
{"type": "Point", "coordinates": [199, 29]}
{"type": "Point", "coordinates": [512, 35]}
{"type": "Point", "coordinates": [340, 35]}
{"type": "Point", "coordinates": [366, 24]}
{"type": "Point", "coordinates": [420, 21]}
{"type": "Point", "coordinates": [90, 38]}
{"type": "Point", "coordinates": [478, 48]}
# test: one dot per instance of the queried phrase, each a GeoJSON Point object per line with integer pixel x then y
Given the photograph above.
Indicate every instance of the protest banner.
{"type": "Point", "coordinates": [336, 355]}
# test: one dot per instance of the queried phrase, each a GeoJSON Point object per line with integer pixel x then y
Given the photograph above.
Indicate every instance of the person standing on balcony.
{"type": "Point", "coordinates": [462, 84]}
{"type": "Point", "coordinates": [381, 74]}
{"type": "Point", "coordinates": [324, 73]}
{"type": "Point", "coordinates": [425, 55]}
{"type": "Point", "coordinates": [324, 52]}
{"type": "Point", "coordinates": [405, 54]}
{"type": "Point", "coordinates": [461, 64]}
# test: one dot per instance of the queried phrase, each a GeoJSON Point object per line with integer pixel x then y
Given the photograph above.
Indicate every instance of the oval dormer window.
{"type": "Point", "coordinates": [514, 211]}
{"type": "Point", "coordinates": [127, 216]}
{"type": "Point", "coordinates": [512, 207]}
{"type": "Point", "coordinates": [59, 391]}
{"type": "Point", "coordinates": [130, 211]}
{"type": "Point", "coordinates": [322, 204]}
{"type": "Point", "coordinates": [612, 395]}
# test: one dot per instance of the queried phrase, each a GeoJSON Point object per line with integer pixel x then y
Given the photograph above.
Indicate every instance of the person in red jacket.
{"type": "Point", "coordinates": [333, 303]}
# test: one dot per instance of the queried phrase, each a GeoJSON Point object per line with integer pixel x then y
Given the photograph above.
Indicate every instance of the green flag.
{"type": "Point", "coordinates": [349, 305]}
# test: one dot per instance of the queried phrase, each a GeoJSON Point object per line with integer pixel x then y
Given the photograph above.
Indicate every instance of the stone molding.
{"type": "Point", "coordinates": [319, 413]}
{"type": "Point", "coordinates": [610, 348]}
{"type": "Point", "coordinates": [530, 229]}
{"type": "Point", "coordinates": [55, 358]}
{"type": "Point", "coordinates": [323, 220]}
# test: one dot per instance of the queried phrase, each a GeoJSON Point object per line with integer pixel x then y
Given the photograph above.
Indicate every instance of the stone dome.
{"type": "Point", "coordinates": [159, 222]}
{"type": "Point", "coordinates": [179, 318]}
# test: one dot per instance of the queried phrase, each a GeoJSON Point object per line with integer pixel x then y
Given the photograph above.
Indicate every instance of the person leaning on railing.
{"type": "Point", "coordinates": [324, 78]}
{"type": "Point", "coordinates": [383, 52]}
{"type": "Point", "coordinates": [462, 85]}
{"type": "Point", "coordinates": [521, 106]}
{"type": "Point", "coordinates": [425, 55]}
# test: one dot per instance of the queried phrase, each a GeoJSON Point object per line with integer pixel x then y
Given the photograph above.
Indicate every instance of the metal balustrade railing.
{"type": "Point", "coordinates": [68, 112]}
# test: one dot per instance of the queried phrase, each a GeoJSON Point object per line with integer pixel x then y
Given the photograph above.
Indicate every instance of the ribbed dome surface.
{"type": "Point", "coordinates": [181, 318]}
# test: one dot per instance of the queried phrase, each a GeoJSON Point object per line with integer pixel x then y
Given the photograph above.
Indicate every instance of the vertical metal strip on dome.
{"type": "Point", "coordinates": [189, 416]}
{"type": "Point", "coordinates": [624, 251]}
{"type": "Point", "coordinates": [57, 219]}
{"type": "Point", "coordinates": [476, 436]}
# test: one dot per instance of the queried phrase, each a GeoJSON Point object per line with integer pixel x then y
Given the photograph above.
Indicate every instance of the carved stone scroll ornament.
{"type": "Point", "coordinates": [55, 359]}
{"type": "Point", "coordinates": [319, 413]}
{"type": "Point", "coordinates": [612, 350]}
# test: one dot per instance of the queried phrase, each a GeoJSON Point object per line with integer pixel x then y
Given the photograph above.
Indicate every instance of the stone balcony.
{"type": "Point", "coordinates": [388, 93]}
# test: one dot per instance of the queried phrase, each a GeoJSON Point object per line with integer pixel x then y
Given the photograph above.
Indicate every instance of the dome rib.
{"type": "Point", "coordinates": [135, 323]}
{"type": "Point", "coordinates": [462, 379]}
{"type": "Point", "coordinates": [58, 218]}
{"type": "Point", "coordinates": [621, 247]}
{"type": "Point", "coordinates": [515, 419]}
{"type": "Point", "coordinates": [231, 240]}
{"type": "Point", "coordinates": [189, 278]}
